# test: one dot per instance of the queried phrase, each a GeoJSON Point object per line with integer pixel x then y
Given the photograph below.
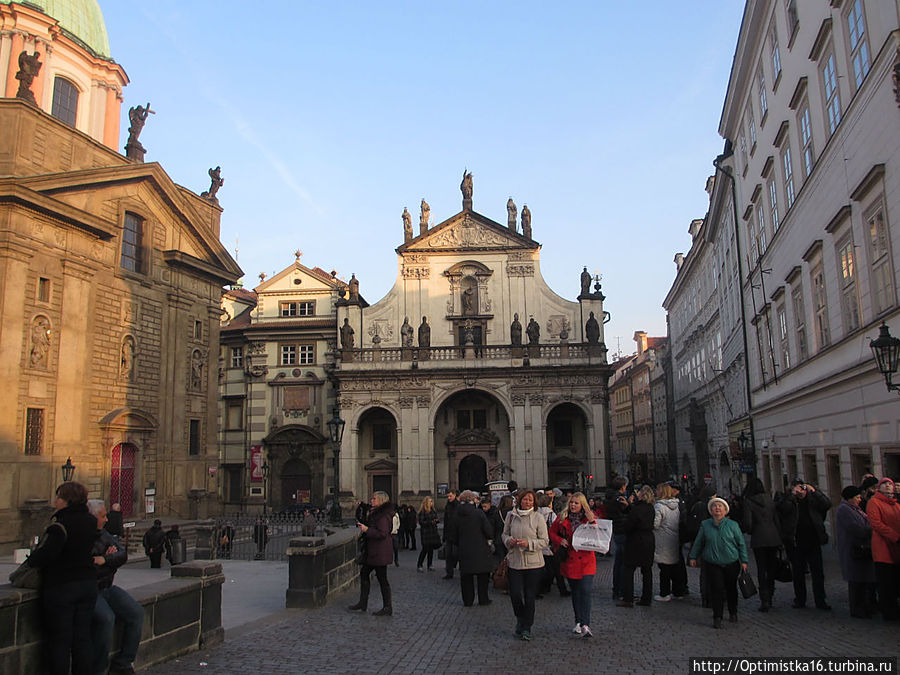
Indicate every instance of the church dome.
{"type": "Point", "coordinates": [82, 19]}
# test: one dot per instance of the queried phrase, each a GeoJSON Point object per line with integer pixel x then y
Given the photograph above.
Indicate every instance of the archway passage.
{"type": "Point", "coordinates": [568, 454]}
{"type": "Point", "coordinates": [296, 482]}
{"type": "Point", "coordinates": [472, 473]}
{"type": "Point", "coordinates": [121, 484]}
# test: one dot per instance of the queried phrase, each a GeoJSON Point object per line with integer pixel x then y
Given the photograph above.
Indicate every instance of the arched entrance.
{"type": "Point", "coordinates": [567, 447]}
{"type": "Point", "coordinates": [296, 482]}
{"type": "Point", "coordinates": [377, 447]}
{"type": "Point", "coordinates": [472, 473]}
{"type": "Point", "coordinates": [121, 483]}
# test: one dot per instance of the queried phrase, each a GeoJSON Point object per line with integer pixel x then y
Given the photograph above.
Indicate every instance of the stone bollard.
{"type": "Point", "coordinates": [205, 548]}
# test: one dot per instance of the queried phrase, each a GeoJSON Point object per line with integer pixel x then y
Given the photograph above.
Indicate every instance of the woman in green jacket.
{"type": "Point", "coordinates": [721, 545]}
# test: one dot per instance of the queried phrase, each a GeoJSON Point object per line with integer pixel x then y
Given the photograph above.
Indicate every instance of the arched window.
{"type": "Point", "coordinates": [65, 101]}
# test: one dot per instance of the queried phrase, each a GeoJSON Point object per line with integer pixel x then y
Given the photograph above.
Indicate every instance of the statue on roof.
{"type": "Point", "coordinates": [511, 213]}
{"type": "Point", "coordinates": [526, 221]}
{"type": "Point", "coordinates": [138, 117]}
{"type": "Point", "coordinates": [466, 188]}
{"type": "Point", "coordinates": [407, 225]}
{"type": "Point", "coordinates": [406, 333]}
{"type": "Point", "coordinates": [424, 216]}
{"type": "Point", "coordinates": [515, 331]}
{"type": "Point", "coordinates": [354, 288]}
{"type": "Point", "coordinates": [29, 67]}
{"type": "Point", "coordinates": [592, 330]}
{"type": "Point", "coordinates": [347, 335]}
{"type": "Point", "coordinates": [585, 283]}
{"type": "Point", "coordinates": [216, 181]}
{"type": "Point", "coordinates": [424, 333]}
{"type": "Point", "coordinates": [534, 332]}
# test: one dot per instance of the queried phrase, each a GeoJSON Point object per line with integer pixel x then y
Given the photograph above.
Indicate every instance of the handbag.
{"type": "Point", "coordinates": [501, 576]}
{"type": "Point", "coordinates": [362, 549]}
{"type": "Point", "coordinates": [746, 584]}
{"type": "Point", "coordinates": [783, 572]}
{"type": "Point", "coordinates": [594, 536]}
{"type": "Point", "coordinates": [25, 576]}
{"type": "Point", "coordinates": [861, 552]}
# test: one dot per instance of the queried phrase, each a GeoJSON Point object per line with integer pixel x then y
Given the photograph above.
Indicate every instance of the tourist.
{"type": "Point", "coordinates": [720, 543]}
{"type": "Point", "coordinates": [112, 602]}
{"type": "Point", "coordinates": [496, 522]}
{"type": "Point", "coordinates": [854, 545]}
{"type": "Point", "coordinates": [884, 515]}
{"type": "Point", "coordinates": [524, 534]}
{"type": "Point", "coordinates": [639, 548]}
{"type": "Point", "coordinates": [428, 533]}
{"type": "Point", "coordinates": [551, 564]}
{"type": "Point", "coordinates": [617, 505]}
{"type": "Point", "coordinates": [667, 549]}
{"type": "Point", "coordinates": [471, 533]}
{"type": "Point", "coordinates": [68, 582]}
{"type": "Point", "coordinates": [449, 548]}
{"type": "Point", "coordinates": [379, 553]}
{"type": "Point", "coordinates": [155, 544]}
{"type": "Point", "coordinates": [579, 567]}
{"type": "Point", "coordinates": [759, 521]}
{"type": "Point", "coordinates": [395, 537]}
{"type": "Point", "coordinates": [801, 513]}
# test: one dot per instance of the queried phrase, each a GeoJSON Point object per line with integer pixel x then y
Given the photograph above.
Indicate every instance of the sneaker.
{"type": "Point", "coordinates": [662, 598]}
{"type": "Point", "coordinates": [577, 629]}
{"type": "Point", "coordinates": [419, 569]}
{"type": "Point", "coordinates": [586, 632]}
{"type": "Point", "coordinates": [431, 569]}
{"type": "Point", "coordinates": [526, 635]}
{"type": "Point", "coordinates": [518, 629]}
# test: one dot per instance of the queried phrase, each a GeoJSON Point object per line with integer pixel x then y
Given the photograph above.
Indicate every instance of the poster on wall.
{"type": "Point", "coordinates": [442, 489]}
{"type": "Point", "coordinates": [256, 461]}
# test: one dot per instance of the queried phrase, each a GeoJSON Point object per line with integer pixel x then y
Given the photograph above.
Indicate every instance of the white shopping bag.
{"type": "Point", "coordinates": [593, 537]}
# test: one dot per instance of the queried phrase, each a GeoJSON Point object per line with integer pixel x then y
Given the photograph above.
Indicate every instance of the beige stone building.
{"type": "Point", "coordinates": [110, 302]}
{"type": "Point", "coordinates": [471, 368]}
{"type": "Point", "coordinates": [277, 350]}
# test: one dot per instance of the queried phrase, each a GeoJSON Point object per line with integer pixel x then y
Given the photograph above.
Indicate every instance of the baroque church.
{"type": "Point", "coordinates": [471, 368]}
{"type": "Point", "coordinates": [111, 279]}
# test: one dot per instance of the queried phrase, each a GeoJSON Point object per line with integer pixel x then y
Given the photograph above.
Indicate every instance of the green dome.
{"type": "Point", "coordinates": [80, 18]}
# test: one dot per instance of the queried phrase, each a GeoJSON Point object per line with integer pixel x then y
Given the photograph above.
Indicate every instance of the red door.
{"type": "Point", "coordinates": [121, 487]}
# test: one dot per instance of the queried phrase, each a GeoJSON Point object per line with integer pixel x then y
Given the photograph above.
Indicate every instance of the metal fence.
{"type": "Point", "coordinates": [238, 537]}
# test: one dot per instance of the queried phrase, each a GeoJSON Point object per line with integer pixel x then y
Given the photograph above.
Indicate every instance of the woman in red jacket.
{"type": "Point", "coordinates": [884, 516]}
{"type": "Point", "coordinates": [578, 567]}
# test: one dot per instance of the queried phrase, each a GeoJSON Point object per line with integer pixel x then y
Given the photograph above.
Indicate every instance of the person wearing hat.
{"type": "Point", "coordinates": [884, 515]}
{"type": "Point", "coordinates": [868, 487]}
{"type": "Point", "coordinates": [155, 543]}
{"type": "Point", "coordinates": [720, 544]}
{"type": "Point", "coordinates": [854, 544]}
{"type": "Point", "coordinates": [801, 512]}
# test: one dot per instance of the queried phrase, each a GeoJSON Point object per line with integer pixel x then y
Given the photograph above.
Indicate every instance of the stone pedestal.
{"type": "Point", "coordinates": [320, 568]}
{"type": "Point", "coordinates": [135, 151]}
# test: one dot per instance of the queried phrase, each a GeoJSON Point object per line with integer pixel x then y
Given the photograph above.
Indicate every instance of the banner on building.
{"type": "Point", "coordinates": [256, 462]}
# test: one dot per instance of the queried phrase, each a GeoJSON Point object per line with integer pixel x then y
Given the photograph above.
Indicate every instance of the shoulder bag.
{"type": "Point", "coordinates": [25, 576]}
{"type": "Point", "coordinates": [746, 584]}
{"type": "Point", "coordinates": [501, 575]}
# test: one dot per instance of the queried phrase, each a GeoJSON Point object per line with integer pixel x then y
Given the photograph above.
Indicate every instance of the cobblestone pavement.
{"type": "Point", "coordinates": [431, 632]}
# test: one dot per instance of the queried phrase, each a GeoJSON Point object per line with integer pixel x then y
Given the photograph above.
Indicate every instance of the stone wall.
{"type": "Point", "coordinates": [181, 614]}
{"type": "Point", "coordinates": [320, 568]}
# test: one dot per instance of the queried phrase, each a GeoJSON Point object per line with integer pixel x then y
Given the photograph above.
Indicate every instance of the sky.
{"type": "Point", "coordinates": [328, 118]}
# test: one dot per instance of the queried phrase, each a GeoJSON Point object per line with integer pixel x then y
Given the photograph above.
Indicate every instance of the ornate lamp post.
{"type": "Point", "coordinates": [336, 433]}
{"type": "Point", "coordinates": [748, 453]}
{"type": "Point", "coordinates": [68, 470]}
{"type": "Point", "coordinates": [261, 528]}
{"type": "Point", "coordinates": [886, 350]}
{"type": "Point", "coordinates": [265, 472]}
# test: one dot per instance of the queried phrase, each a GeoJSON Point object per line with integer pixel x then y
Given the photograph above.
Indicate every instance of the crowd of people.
{"type": "Point", "coordinates": [526, 538]}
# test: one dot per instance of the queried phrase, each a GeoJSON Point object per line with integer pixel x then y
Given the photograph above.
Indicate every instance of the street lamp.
{"type": "Point", "coordinates": [68, 470]}
{"type": "Point", "coordinates": [265, 473]}
{"type": "Point", "coordinates": [261, 529]}
{"type": "Point", "coordinates": [748, 452]}
{"type": "Point", "coordinates": [886, 350]}
{"type": "Point", "coordinates": [336, 433]}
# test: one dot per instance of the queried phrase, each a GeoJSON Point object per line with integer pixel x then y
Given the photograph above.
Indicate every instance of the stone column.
{"type": "Point", "coordinates": [12, 337]}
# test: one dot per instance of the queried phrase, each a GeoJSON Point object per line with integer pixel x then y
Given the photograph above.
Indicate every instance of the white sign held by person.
{"type": "Point", "coordinates": [593, 537]}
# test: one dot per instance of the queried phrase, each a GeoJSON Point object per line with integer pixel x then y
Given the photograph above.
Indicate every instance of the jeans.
{"type": "Point", "coordinates": [426, 550]}
{"type": "Point", "coordinates": [803, 556]}
{"type": "Point", "coordinates": [467, 588]}
{"type": "Point", "coordinates": [722, 586]}
{"type": "Point", "coordinates": [618, 564]}
{"type": "Point", "coordinates": [523, 587]}
{"type": "Point", "coordinates": [581, 598]}
{"type": "Point", "coordinates": [113, 603]}
{"type": "Point", "coordinates": [67, 611]}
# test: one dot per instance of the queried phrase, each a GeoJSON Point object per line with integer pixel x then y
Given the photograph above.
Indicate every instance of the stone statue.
{"type": "Point", "coordinates": [511, 213]}
{"type": "Point", "coordinates": [354, 288]}
{"type": "Point", "coordinates": [585, 282]}
{"type": "Point", "coordinates": [138, 117]}
{"type": "Point", "coordinates": [40, 342]}
{"type": "Point", "coordinates": [196, 370]}
{"type": "Point", "coordinates": [466, 188]}
{"type": "Point", "coordinates": [515, 331]}
{"type": "Point", "coordinates": [533, 331]}
{"type": "Point", "coordinates": [468, 301]}
{"type": "Point", "coordinates": [407, 225]}
{"type": "Point", "coordinates": [29, 67]}
{"type": "Point", "coordinates": [526, 221]}
{"type": "Point", "coordinates": [346, 335]}
{"type": "Point", "coordinates": [592, 330]}
{"type": "Point", "coordinates": [424, 217]}
{"type": "Point", "coordinates": [424, 333]}
{"type": "Point", "coordinates": [406, 333]}
{"type": "Point", "coordinates": [216, 181]}
{"type": "Point", "coordinates": [127, 362]}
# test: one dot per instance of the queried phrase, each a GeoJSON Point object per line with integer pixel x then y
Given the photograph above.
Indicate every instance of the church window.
{"type": "Point", "coordinates": [381, 437]}
{"type": "Point", "coordinates": [34, 431]}
{"type": "Point", "coordinates": [133, 243]}
{"type": "Point", "coordinates": [65, 101]}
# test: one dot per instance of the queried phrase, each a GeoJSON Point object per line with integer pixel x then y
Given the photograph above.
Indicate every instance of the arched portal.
{"type": "Point", "coordinates": [296, 482]}
{"type": "Point", "coordinates": [377, 451]}
{"type": "Point", "coordinates": [568, 454]}
{"type": "Point", "coordinates": [472, 473]}
{"type": "Point", "coordinates": [296, 457]}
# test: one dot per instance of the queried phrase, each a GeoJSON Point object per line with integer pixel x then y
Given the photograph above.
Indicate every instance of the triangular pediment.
{"type": "Point", "coordinates": [468, 231]}
{"type": "Point", "coordinates": [298, 278]}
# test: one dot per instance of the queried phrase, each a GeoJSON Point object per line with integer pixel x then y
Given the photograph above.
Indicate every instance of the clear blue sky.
{"type": "Point", "coordinates": [328, 118]}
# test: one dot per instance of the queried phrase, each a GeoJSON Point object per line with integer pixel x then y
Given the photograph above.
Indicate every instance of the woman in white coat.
{"type": "Point", "coordinates": [667, 554]}
{"type": "Point", "coordinates": [524, 535]}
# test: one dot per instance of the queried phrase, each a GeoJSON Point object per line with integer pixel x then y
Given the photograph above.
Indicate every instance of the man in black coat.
{"type": "Point", "coordinates": [155, 544]}
{"type": "Point", "coordinates": [802, 515]}
{"type": "Point", "coordinates": [617, 505]}
{"type": "Point", "coordinates": [114, 523]}
{"type": "Point", "coordinates": [450, 554]}
{"type": "Point", "coordinates": [469, 531]}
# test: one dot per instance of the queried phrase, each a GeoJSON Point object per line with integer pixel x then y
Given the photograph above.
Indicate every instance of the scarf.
{"type": "Point", "coordinates": [523, 513]}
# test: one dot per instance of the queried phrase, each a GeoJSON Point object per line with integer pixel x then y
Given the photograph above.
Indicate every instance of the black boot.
{"type": "Point", "coordinates": [359, 606]}
{"type": "Point", "coordinates": [387, 609]}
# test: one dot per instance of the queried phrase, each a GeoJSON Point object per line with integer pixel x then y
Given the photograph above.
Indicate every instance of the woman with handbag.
{"type": "Point", "coordinates": [579, 567]}
{"type": "Point", "coordinates": [721, 545]}
{"type": "Point", "coordinates": [765, 539]}
{"type": "Point", "coordinates": [854, 544]}
{"type": "Point", "coordinates": [379, 552]}
{"type": "Point", "coordinates": [524, 534]}
{"type": "Point", "coordinates": [428, 531]}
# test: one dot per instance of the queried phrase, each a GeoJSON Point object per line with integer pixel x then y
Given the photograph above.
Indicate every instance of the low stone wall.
{"type": "Point", "coordinates": [320, 568]}
{"type": "Point", "coordinates": [181, 614]}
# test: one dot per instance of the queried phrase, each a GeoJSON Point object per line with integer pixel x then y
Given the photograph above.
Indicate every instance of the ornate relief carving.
{"type": "Point", "coordinates": [599, 396]}
{"type": "Point", "coordinates": [127, 355]}
{"type": "Point", "coordinates": [416, 272]}
{"type": "Point", "coordinates": [257, 348]}
{"type": "Point", "coordinates": [198, 365]}
{"type": "Point", "coordinates": [131, 311]}
{"type": "Point", "coordinates": [520, 269]}
{"type": "Point", "coordinates": [556, 324]}
{"type": "Point", "coordinates": [536, 399]}
{"type": "Point", "coordinates": [518, 399]}
{"type": "Point", "coordinates": [40, 342]}
{"type": "Point", "coordinates": [406, 402]}
{"type": "Point", "coordinates": [423, 401]}
{"type": "Point", "coordinates": [381, 329]}
{"type": "Point", "coordinates": [466, 235]}
{"type": "Point", "coordinates": [258, 370]}
{"type": "Point", "coordinates": [413, 383]}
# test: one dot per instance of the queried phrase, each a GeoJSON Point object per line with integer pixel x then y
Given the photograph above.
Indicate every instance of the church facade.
{"type": "Point", "coordinates": [471, 368]}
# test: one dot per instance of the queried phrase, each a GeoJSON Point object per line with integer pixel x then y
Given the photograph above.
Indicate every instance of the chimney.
{"type": "Point", "coordinates": [640, 339]}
